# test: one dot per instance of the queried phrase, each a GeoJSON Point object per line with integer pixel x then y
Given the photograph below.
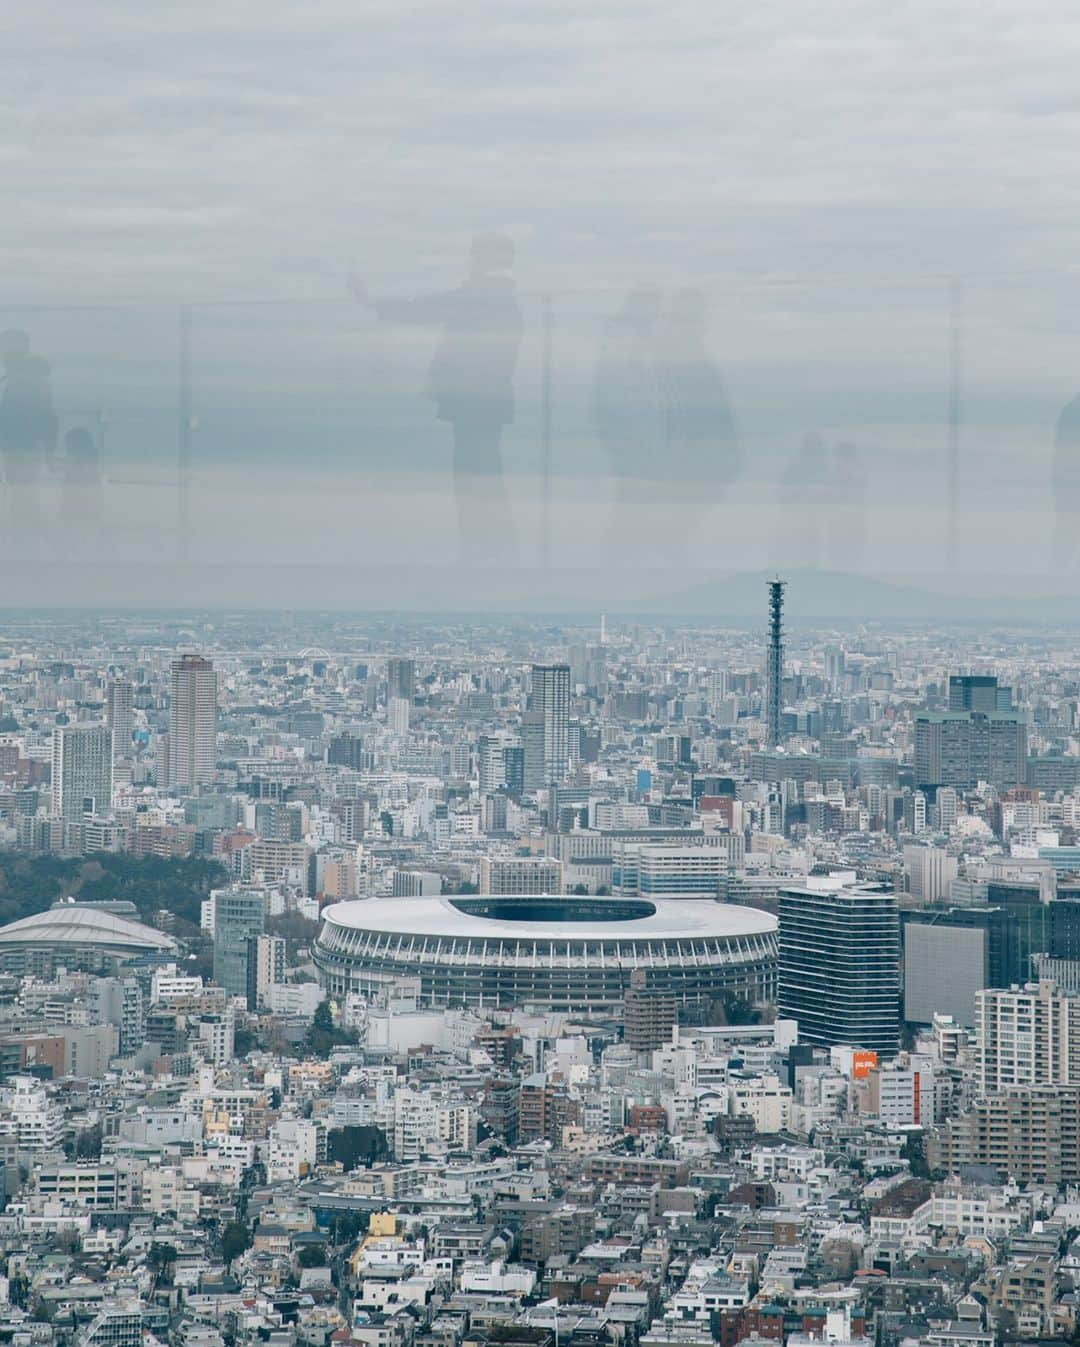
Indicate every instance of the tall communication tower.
{"type": "Point", "coordinates": [775, 670]}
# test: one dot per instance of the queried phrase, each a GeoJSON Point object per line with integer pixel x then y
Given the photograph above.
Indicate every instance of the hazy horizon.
{"type": "Point", "coordinates": [647, 296]}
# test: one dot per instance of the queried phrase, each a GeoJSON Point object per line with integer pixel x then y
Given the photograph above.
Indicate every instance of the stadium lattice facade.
{"type": "Point", "coordinates": [568, 954]}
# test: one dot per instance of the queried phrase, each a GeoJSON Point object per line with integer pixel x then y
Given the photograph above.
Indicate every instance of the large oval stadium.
{"type": "Point", "coordinates": [560, 953]}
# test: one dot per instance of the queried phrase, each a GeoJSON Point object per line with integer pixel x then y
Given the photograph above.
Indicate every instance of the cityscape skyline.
{"type": "Point", "coordinates": [540, 675]}
{"type": "Point", "coordinates": [641, 903]}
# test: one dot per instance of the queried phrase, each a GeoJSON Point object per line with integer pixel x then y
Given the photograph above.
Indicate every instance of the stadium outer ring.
{"type": "Point", "coordinates": [556, 952]}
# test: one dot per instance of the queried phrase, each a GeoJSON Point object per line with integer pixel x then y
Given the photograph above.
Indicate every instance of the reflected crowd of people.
{"type": "Point", "coordinates": [471, 384]}
{"type": "Point", "coordinates": [821, 499]}
{"type": "Point", "coordinates": [1066, 486]}
{"type": "Point", "coordinates": [659, 408]}
{"type": "Point", "coordinates": [662, 413]}
{"type": "Point", "coordinates": [33, 458]}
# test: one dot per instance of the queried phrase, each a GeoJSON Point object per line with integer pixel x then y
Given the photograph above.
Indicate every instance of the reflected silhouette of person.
{"type": "Point", "coordinates": [27, 436]}
{"type": "Point", "coordinates": [626, 401]}
{"type": "Point", "coordinates": [800, 496]}
{"type": "Point", "coordinates": [702, 454]}
{"type": "Point", "coordinates": [1066, 487]}
{"type": "Point", "coordinates": [82, 500]}
{"type": "Point", "coordinates": [471, 382]}
{"type": "Point", "coordinates": [845, 527]}
{"type": "Point", "coordinates": [662, 412]}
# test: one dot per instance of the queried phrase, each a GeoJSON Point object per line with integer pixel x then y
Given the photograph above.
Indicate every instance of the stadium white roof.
{"type": "Point", "coordinates": [660, 918]}
{"type": "Point", "coordinates": [70, 924]}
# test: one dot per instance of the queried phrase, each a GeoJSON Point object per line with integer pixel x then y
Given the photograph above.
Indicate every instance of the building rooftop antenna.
{"type": "Point", "coordinates": [775, 664]}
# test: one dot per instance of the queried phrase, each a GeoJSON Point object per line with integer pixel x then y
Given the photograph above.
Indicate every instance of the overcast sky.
{"type": "Point", "coordinates": [820, 170]}
{"type": "Point", "coordinates": [251, 149]}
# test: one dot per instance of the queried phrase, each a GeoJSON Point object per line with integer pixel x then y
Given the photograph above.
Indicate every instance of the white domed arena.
{"type": "Point", "coordinates": [561, 953]}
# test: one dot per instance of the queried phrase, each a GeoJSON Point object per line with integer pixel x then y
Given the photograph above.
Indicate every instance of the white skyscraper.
{"type": "Point", "coordinates": [930, 871]}
{"type": "Point", "coordinates": [491, 762]}
{"type": "Point", "coordinates": [192, 723]}
{"type": "Point", "coordinates": [397, 715]}
{"type": "Point", "coordinates": [948, 803]}
{"type": "Point", "coordinates": [551, 697]}
{"type": "Point", "coordinates": [82, 775]}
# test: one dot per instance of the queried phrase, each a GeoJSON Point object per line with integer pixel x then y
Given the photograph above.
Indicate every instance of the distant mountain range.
{"type": "Point", "coordinates": [740, 597]}
{"type": "Point", "coordinates": [832, 594]}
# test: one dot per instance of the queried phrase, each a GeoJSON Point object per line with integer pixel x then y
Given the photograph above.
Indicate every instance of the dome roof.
{"type": "Point", "coordinates": [72, 924]}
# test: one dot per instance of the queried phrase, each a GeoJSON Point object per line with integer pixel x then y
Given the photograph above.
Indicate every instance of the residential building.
{"type": "Point", "coordinates": [649, 1015]}
{"type": "Point", "coordinates": [1027, 1035]}
{"type": "Point", "coordinates": [82, 771]}
{"type": "Point", "coordinates": [551, 698]}
{"type": "Point", "coordinates": [192, 724]}
{"type": "Point", "coordinates": [119, 714]}
{"type": "Point", "coordinates": [1030, 1133]}
{"type": "Point", "coordinates": [265, 968]}
{"type": "Point", "coordinates": [520, 875]}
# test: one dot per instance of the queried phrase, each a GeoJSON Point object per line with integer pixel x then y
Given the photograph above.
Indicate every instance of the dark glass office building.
{"type": "Point", "coordinates": [944, 966]}
{"type": "Point", "coordinates": [839, 968]}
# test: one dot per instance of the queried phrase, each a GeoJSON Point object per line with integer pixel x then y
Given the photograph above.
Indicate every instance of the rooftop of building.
{"type": "Point", "coordinates": [551, 915]}
{"type": "Point", "coordinates": [75, 924]}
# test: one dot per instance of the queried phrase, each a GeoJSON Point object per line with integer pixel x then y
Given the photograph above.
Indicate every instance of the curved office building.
{"type": "Point", "coordinates": [560, 953]}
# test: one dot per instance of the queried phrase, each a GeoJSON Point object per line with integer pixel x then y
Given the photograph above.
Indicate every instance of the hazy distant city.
{"type": "Point", "coordinates": [420, 982]}
{"type": "Point", "coordinates": [539, 674]}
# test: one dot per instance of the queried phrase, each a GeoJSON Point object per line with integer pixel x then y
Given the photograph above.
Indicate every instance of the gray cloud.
{"type": "Point", "coordinates": [260, 145]}
{"type": "Point", "coordinates": [820, 171]}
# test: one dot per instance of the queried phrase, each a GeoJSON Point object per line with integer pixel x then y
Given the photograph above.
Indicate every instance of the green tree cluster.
{"type": "Point", "coordinates": [30, 884]}
{"type": "Point", "coordinates": [235, 1239]}
{"type": "Point", "coordinates": [323, 1035]}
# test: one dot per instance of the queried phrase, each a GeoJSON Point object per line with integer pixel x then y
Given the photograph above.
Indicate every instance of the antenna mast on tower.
{"type": "Point", "coordinates": [775, 668]}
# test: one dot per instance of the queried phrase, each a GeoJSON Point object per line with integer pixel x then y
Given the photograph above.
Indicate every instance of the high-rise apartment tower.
{"type": "Point", "coordinates": [82, 774]}
{"type": "Point", "coordinates": [192, 723]}
{"type": "Point", "coordinates": [119, 714]}
{"type": "Point", "coordinates": [551, 698]}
